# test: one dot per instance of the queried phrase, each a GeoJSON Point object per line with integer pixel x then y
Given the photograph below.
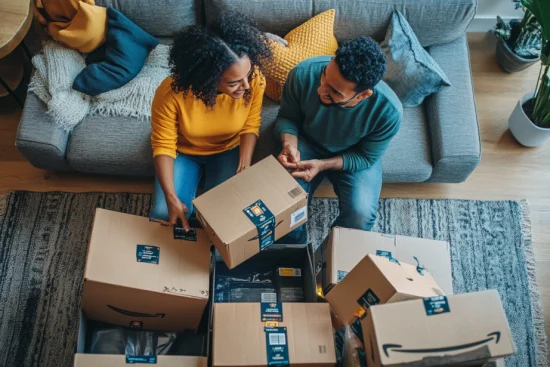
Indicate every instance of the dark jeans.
{"type": "Point", "coordinates": [358, 194]}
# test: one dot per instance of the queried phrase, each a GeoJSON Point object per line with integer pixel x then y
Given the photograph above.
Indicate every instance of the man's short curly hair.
{"type": "Point", "coordinates": [361, 61]}
{"type": "Point", "coordinates": [200, 55]}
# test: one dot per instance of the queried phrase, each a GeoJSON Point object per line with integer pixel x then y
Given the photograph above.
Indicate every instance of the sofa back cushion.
{"type": "Point", "coordinates": [160, 18]}
{"type": "Point", "coordinates": [433, 21]}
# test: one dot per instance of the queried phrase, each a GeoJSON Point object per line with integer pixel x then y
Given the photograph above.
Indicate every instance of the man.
{"type": "Point", "coordinates": [336, 120]}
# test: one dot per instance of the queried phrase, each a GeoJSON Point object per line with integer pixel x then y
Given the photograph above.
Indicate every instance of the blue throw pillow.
{"type": "Point", "coordinates": [119, 59]}
{"type": "Point", "coordinates": [411, 72]}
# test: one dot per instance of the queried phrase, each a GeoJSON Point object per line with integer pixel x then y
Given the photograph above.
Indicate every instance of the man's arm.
{"type": "Point", "coordinates": [290, 116]}
{"type": "Point", "coordinates": [371, 148]}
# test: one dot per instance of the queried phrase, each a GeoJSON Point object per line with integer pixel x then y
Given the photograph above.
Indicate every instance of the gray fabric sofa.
{"type": "Point", "coordinates": [438, 141]}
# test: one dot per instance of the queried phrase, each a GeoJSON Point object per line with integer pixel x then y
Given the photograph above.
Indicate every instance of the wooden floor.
{"type": "Point", "coordinates": [507, 170]}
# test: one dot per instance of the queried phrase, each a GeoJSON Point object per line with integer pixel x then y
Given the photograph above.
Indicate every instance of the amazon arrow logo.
{"type": "Point", "coordinates": [136, 314]}
{"type": "Point", "coordinates": [256, 237]}
{"type": "Point", "coordinates": [397, 348]}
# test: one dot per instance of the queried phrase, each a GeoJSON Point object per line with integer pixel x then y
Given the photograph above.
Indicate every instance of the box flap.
{"type": "Point", "coordinates": [222, 207]}
{"type": "Point", "coordinates": [474, 326]}
{"type": "Point", "coordinates": [182, 269]}
{"type": "Point", "coordinates": [239, 338]}
{"type": "Point", "coordinates": [109, 360]}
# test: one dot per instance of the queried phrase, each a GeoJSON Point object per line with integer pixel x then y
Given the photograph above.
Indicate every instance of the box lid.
{"type": "Point", "coordinates": [240, 340]}
{"type": "Point", "coordinates": [108, 360]}
{"type": "Point", "coordinates": [351, 245]}
{"type": "Point", "coordinates": [474, 327]}
{"type": "Point", "coordinates": [222, 207]}
{"type": "Point", "coordinates": [377, 279]}
{"type": "Point", "coordinates": [183, 267]}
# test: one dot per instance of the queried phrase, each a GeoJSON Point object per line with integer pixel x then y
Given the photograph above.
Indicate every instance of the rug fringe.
{"type": "Point", "coordinates": [540, 332]}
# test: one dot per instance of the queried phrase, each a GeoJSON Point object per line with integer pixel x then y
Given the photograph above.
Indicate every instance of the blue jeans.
{"type": "Point", "coordinates": [358, 194]}
{"type": "Point", "coordinates": [188, 170]}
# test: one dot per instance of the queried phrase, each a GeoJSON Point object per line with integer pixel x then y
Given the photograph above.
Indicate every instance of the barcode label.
{"type": "Point", "coordinates": [277, 339]}
{"type": "Point", "coordinates": [269, 297]}
{"type": "Point", "coordinates": [322, 349]}
{"type": "Point", "coordinates": [298, 216]}
{"type": "Point", "coordinates": [295, 192]}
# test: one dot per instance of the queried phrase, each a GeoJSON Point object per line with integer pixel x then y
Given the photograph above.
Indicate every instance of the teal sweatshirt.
{"type": "Point", "coordinates": [361, 134]}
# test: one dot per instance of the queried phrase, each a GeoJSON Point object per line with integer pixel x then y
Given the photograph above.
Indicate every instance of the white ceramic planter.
{"type": "Point", "coordinates": [525, 132]}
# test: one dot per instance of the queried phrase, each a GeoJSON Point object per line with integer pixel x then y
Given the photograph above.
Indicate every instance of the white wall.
{"type": "Point", "coordinates": [487, 12]}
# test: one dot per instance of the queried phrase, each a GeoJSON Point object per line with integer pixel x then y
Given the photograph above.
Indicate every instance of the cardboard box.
{"type": "Point", "coordinates": [465, 329]}
{"type": "Point", "coordinates": [138, 275]}
{"type": "Point", "coordinates": [377, 279]}
{"type": "Point", "coordinates": [344, 248]}
{"type": "Point", "coordinates": [251, 210]}
{"type": "Point", "coordinates": [83, 359]}
{"type": "Point", "coordinates": [240, 337]}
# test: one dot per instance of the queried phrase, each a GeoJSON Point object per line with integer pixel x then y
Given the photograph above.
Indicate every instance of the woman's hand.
{"type": "Point", "coordinates": [243, 164]}
{"type": "Point", "coordinates": [177, 210]}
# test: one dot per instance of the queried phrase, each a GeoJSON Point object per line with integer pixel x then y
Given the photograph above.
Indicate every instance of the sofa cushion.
{"type": "Point", "coordinates": [112, 146]}
{"type": "Point", "coordinates": [266, 143]}
{"type": "Point", "coordinates": [313, 38]}
{"type": "Point", "coordinates": [118, 60]}
{"type": "Point", "coordinates": [433, 21]}
{"type": "Point", "coordinates": [412, 73]}
{"type": "Point", "coordinates": [159, 18]}
{"type": "Point", "coordinates": [408, 158]}
{"type": "Point", "coordinates": [274, 16]}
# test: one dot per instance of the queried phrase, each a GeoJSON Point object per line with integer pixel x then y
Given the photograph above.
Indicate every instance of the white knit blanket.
{"type": "Point", "coordinates": [57, 67]}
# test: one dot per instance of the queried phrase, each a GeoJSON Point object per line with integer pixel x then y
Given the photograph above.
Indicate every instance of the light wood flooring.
{"type": "Point", "coordinates": [506, 171]}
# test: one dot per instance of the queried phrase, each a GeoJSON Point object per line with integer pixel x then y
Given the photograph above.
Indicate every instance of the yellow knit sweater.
{"type": "Point", "coordinates": [184, 124]}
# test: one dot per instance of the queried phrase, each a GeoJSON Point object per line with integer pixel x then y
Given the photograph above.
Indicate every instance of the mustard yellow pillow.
{"type": "Point", "coordinates": [313, 38]}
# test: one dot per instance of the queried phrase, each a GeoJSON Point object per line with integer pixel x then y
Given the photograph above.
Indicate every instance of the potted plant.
{"type": "Point", "coordinates": [530, 121]}
{"type": "Point", "coordinates": [518, 42]}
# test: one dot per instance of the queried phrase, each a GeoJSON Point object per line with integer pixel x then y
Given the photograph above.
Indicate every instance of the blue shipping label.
{"type": "Point", "coordinates": [436, 305]}
{"type": "Point", "coordinates": [272, 311]}
{"type": "Point", "coordinates": [368, 299]}
{"type": "Point", "coordinates": [341, 275]}
{"type": "Point", "coordinates": [264, 221]}
{"type": "Point", "coordinates": [141, 359]}
{"type": "Point", "coordinates": [387, 255]}
{"type": "Point", "coordinates": [276, 346]}
{"type": "Point", "coordinates": [148, 254]}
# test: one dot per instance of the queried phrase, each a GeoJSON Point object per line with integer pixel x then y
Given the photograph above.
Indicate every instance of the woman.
{"type": "Point", "coordinates": [206, 115]}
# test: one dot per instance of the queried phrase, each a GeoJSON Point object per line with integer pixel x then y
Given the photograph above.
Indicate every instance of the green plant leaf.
{"type": "Point", "coordinates": [541, 11]}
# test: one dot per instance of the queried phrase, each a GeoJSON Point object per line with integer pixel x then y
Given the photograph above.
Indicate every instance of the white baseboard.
{"type": "Point", "coordinates": [484, 24]}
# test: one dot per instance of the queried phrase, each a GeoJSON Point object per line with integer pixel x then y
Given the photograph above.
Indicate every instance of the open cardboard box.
{"type": "Point", "coordinates": [138, 275]}
{"type": "Point", "coordinates": [239, 337]}
{"type": "Point", "coordinates": [249, 212]}
{"type": "Point", "coordinates": [344, 248]}
{"type": "Point", "coordinates": [459, 330]}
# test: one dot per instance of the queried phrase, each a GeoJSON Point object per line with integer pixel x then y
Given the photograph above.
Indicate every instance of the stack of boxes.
{"type": "Point", "coordinates": [394, 292]}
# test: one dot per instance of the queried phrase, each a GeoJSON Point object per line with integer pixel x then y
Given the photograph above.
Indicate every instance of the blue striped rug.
{"type": "Point", "coordinates": [43, 239]}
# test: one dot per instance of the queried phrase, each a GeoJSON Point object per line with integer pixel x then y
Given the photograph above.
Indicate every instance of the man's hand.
{"type": "Point", "coordinates": [290, 156]}
{"type": "Point", "coordinates": [307, 170]}
{"type": "Point", "coordinates": [177, 210]}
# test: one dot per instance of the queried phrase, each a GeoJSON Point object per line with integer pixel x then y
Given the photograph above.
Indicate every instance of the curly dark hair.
{"type": "Point", "coordinates": [362, 61]}
{"type": "Point", "coordinates": [200, 55]}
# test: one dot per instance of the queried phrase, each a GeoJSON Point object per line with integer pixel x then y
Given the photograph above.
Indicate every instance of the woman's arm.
{"type": "Point", "coordinates": [248, 143]}
{"type": "Point", "coordinates": [164, 168]}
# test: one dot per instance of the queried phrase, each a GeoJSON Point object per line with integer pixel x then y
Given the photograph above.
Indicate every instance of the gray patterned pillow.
{"type": "Point", "coordinates": [411, 72]}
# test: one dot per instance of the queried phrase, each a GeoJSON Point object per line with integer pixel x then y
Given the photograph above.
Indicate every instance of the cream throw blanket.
{"type": "Point", "coordinates": [57, 67]}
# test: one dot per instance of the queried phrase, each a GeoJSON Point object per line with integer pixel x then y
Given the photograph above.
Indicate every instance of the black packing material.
{"type": "Point", "coordinates": [290, 285]}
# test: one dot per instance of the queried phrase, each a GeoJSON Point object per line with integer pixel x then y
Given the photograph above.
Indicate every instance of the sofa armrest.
{"type": "Point", "coordinates": [41, 141]}
{"type": "Point", "coordinates": [452, 118]}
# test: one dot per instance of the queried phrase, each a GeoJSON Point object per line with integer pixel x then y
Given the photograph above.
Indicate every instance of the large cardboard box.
{"type": "Point", "coordinates": [344, 248]}
{"type": "Point", "coordinates": [137, 275]}
{"type": "Point", "coordinates": [241, 338]}
{"type": "Point", "coordinates": [378, 279]}
{"type": "Point", "coordinates": [251, 210]}
{"type": "Point", "coordinates": [466, 329]}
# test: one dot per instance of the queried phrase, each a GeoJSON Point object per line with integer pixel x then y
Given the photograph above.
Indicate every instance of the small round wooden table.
{"type": "Point", "coordinates": [15, 21]}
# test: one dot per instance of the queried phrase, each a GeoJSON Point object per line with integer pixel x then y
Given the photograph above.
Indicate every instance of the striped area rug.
{"type": "Point", "coordinates": [43, 239]}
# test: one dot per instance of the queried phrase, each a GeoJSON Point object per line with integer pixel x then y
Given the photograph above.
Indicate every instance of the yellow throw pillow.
{"type": "Point", "coordinates": [313, 38]}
